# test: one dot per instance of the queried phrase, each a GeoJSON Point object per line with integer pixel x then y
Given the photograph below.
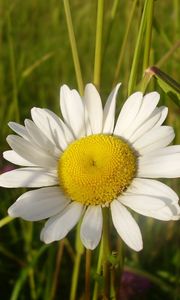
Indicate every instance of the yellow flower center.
{"type": "Point", "coordinates": [96, 169]}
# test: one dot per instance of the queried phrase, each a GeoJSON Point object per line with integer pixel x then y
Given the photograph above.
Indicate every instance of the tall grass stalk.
{"type": "Point", "coordinates": [98, 45]}
{"type": "Point", "coordinates": [124, 43]}
{"type": "Point", "coordinates": [15, 104]}
{"type": "Point", "coordinates": [56, 279]}
{"type": "Point", "coordinates": [77, 264]}
{"type": "Point", "coordinates": [73, 44]}
{"type": "Point", "coordinates": [138, 49]}
{"type": "Point", "coordinates": [148, 35]}
{"type": "Point", "coordinates": [24, 274]}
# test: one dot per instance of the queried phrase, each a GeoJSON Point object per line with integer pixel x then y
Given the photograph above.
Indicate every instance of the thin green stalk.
{"type": "Point", "coordinates": [98, 270]}
{"type": "Point", "coordinates": [37, 64]}
{"type": "Point", "coordinates": [137, 52]}
{"type": "Point", "coordinates": [148, 35]}
{"type": "Point", "coordinates": [73, 44]}
{"type": "Point", "coordinates": [24, 274]}
{"type": "Point", "coordinates": [106, 253]}
{"type": "Point", "coordinates": [144, 83]}
{"type": "Point", "coordinates": [87, 275]}
{"type": "Point", "coordinates": [168, 54]}
{"type": "Point", "coordinates": [108, 263]}
{"type": "Point", "coordinates": [163, 37]}
{"type": "Point", "coordinates": [117, 267]}
{"type": "Point", "coordinates": [48, 268]}
{"type": "Point", "coordinates": [28, 234]}
{"type": "Point", "coordinates": [75, 276]}
{"type": "Point", "coordinates": [32, 284]}
{"type": "Point", "coordinates": [111, 20]}
{"type": "Point", "coordinates": [114, 9]}
{"type": "Point", "coordinates": [13, 70]}
{"type": "Point", "coordinates": [121, 255]}
{"type": "Point", "coordinates": [124, 43]}
{"type": "Point", "coordinates": [77, 262]}
{"type": "Point", "coordinates": [69, 249]}
{"type": "Point", "coordinates": [142, 86]}
{"type": "Point", "coordinates": [5, 221]}
{"type": "Point", "coordinates": [57, 269]}
{"type": "Point", "coordinates": [98, 45]}
{"type": "Point", "coordinates": [4, 251]}
{"type": "Point", "coordinates": [176, 18]}
{"type": "Point", "coordinates": [112, 285]}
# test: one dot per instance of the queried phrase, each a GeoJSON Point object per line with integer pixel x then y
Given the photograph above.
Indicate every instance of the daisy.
{"type": "Point", "coordinates": [87, 161]}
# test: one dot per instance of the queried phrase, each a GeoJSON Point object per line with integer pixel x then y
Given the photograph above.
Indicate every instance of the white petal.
{"type": "Point", "coordinates": [16, 159]}
{"type": "Point", "coordinates": [165, 166]}
{"type": "Point", "coordinates": [109, 111]}
{"type": "Point", "coordinates": [19, 129]}
{"type": "Point", "coordinates": [72, 109]}
{"type": "Point", "coordinates": [149, 104]}
{"type": "Point", "coordinates": [158, 208]}
{"type": "Point", "coordinates": [56, 228]}
{"type": "Point", "coordinates": [176, 217]}
{"type": "Point", "coordinates": [28, 177]}
{"type": "Point", "coordinates": [126, 226]}
{"type": "Point", "coordinates": [50, 126]}
{"type": "Point", "coordinates": [39, 139]}
{"type": "Point", "coordinates": [68, 135]}
{"type": "Point", "coordinates": [87, 123]}
{"type": "Point", "coordinates": [167, 213]}
{"type": "Point", "coordinates": [28, 151]}
{"type": "Point", "coordinates": [154, 121]}
{"type": "Point", "coordinates": [144, 202]}
{"type": "Point", "coordinates": [91, 227]}
{"type": "Point", "coordinates": [164, 112]}
{"type": "Point", "coordinates": [93, 104]}
{"type": "Point", "coordinates": [154, 139]}
{"type": "Point", "coordinates": [39, 204]}
{"type": "Point", "coordinates": [151, 188]}
{"type": "Point", "coordinates": [128, 113]}
{"type": "Point", "coordinates": [160, 152]}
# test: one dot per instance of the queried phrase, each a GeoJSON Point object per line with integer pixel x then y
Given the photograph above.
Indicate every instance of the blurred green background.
{"type": "Point", "coordinates": [35, 60]}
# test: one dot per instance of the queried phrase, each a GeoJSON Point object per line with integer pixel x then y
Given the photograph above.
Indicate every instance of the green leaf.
{"type": "Point", "coordinates": [167, 84]}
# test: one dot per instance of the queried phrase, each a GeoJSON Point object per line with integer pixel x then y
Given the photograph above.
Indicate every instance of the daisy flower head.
{"type": "Point", "coordinates": [87, 161]}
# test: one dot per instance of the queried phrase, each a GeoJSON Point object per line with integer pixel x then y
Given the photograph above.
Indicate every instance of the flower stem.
{"type": "Point", "coordinates": [87, 276]}
{"type": "Point", "coordinates": [73, 44]}
{"type": "Point", "coordinates": [77, 261]}
{"type": "Point", "coordinates": [98, 271]}
{"type": "Point", "coordinates": [98, 46]}
{"type": "Point", "coordinates": [112, 285]}
{"type": "Point", "coordinates": [75, 276]}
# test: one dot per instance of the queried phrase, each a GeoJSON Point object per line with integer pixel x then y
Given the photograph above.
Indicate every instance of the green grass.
{"type": "Point", "coordinates": [35, 59]}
